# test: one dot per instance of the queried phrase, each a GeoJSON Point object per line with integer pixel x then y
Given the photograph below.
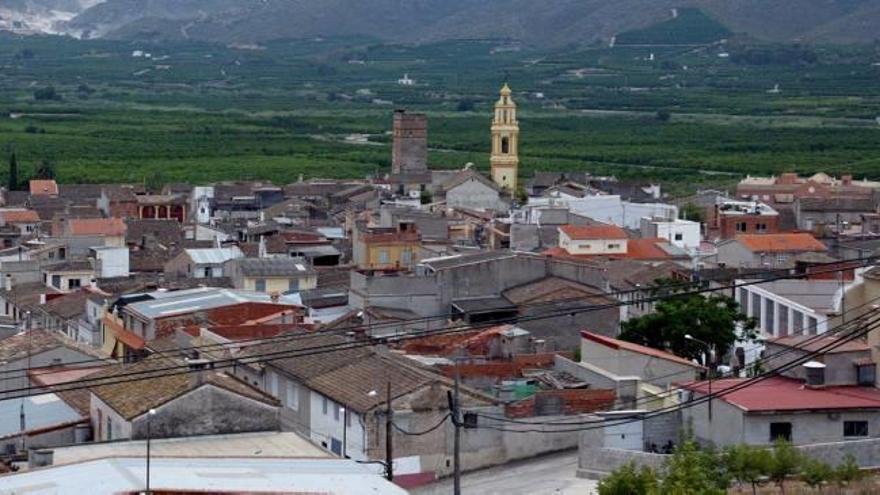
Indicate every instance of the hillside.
{"type": "Point", "coordinates": [553, 23]}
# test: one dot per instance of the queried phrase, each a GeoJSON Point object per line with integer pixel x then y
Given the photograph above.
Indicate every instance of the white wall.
{"type": "Point", "coordinates": [593, 246]}
{"type": "Point", "coordinates": [681, 233]}
{"type": "Point", "coordinates": [611, 209]}
{"type": "Point", "coordinates": [114, 262]}
{"type": "Point", "coordinates": [327, 426]}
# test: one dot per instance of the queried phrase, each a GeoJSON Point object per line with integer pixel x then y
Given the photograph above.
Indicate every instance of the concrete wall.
{"type": "Point", "coordinates": [865, 452]}
{"type": "Point", "coordinates": [336, 426]}
{"type": "Point", "coordinates": [839, 368]}
{"type": "Point", "coordinates": [730, 425]}
{"type": "Point", "coordinates": [653, 370]}
{"type": "Point", "coordinates": [208, 410]}
{"type": "Point", "coordinates": [418, 294]}
{"type": "Point", "coordinates": [474, 195]}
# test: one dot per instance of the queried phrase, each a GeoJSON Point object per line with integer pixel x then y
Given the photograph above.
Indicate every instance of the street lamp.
{"type": "Point", "coordinates": [344, 412]}
{"type": "Point", "coordinates": [150, 414]}
{"type": "Point", "coordinates": [709, 360]}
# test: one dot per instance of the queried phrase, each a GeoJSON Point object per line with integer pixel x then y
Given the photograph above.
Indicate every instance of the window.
{"type": "Point", "coordinates": [855, 428]}
{"type": "Point", "coordinates": [756, 305]}
{"type": "Point", "coordinates": [56, 281]}
{"type": "Point", "coordinates": [867, 374]}
{"type": "Point", "coordinates": [614, 246]}
{"type": "Point", "coordinates": [336, 412]}
{"type": "Point", "coordinates": [292, 396]}
{"type": "Point", "coordinates": [209, 272]}
{"type": "Point", "coordinates": [505, 145]}
{"type": "Point", "coordinates": [797, 322]}
{"type": "Point", "coordinates": [740, 226]}
{"type": "Point", "coordinates": [770, 317]}
{"type": "Point", "coordinates": [744, 300]}
{"type": "Point", "coordinates": [780, 430]}
{"type": "Point", "coordinates": [761, 227]}
{"type": "Point", "coordinates": [679, 236]}
{"type": "Point", "coordinates": [781, 258]}
{"type": "Point", "coordinates": [812, 326]}
{"type": "Point", "coordinates": [293, 284]}
{"type": "Point", "coordinates": [109, 429]}
{"type": "Point", "coordinates": [324, 406]}
{"type": "Point", "coordinates": [74, 283]}
{"type": "Point", "coordinates": [783, 320]}
{"type": "Point", "coordinates": [260, 285]}
{"type": "Point", "coordinates": [406, 257]}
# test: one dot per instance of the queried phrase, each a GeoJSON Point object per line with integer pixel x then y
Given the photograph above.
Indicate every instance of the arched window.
{"type": "Point", "coordinates": [505, 145]}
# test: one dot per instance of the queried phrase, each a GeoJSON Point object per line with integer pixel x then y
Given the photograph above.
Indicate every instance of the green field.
{"type": "Point", "coordinates": [692, 116]}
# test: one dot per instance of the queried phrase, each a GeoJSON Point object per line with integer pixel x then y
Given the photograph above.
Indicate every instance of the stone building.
{"type": "Point", "coordinates": [409, 153]}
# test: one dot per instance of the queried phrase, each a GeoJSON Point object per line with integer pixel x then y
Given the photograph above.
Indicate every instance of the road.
{"type": "Point", "coordinates": [547, 475]}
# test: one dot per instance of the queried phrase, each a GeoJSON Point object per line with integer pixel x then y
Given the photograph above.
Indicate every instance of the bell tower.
{"type": "Point", "coordinates": [505, 142]}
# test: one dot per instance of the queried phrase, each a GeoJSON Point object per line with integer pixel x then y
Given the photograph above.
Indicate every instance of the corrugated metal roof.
{"type": "Point", "coordinates": [40, 411]}
{"type": "Point", "coordinates": [186, 301]}
{"type": "Point", "coordinates": [214, 256]}
{"type": "Point", "coordinates": [206, 474]}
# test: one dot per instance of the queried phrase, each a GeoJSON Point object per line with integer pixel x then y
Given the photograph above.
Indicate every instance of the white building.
{"type": "Point", "coordinates": [789, 307]}
{"type": "Point", "coordinates": [111, 262]}
{"type": "Point", "coordinates": [680, 233]}
{"type": "Point", "coordinates": [609, 208]}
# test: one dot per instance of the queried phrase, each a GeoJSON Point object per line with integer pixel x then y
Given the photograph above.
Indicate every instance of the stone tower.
{"type": "Point", "coordinates": [505, 142]}
{"type": "Point", "coordinates": [409, 152]}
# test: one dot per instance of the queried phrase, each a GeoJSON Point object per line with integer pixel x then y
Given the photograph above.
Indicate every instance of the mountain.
{"type": "Point", "coordinates": [40, 16]}
{"type": "Point", "coordinates": [547, 22]}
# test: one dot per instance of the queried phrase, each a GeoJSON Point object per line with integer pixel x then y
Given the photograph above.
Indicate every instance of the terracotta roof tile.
{"type": "Point", "coordinates": [19, 216]}
{"type": "Point", "coordinates": [795, 241]}
{"type": "Point", "coordinates": [133, 398]}
{"type": "Point", "coordinates": [43, 187]}
{"type": "Point", "coordinates": [96, 226]}
{"type": "Point", "coordinates": [593, 232]}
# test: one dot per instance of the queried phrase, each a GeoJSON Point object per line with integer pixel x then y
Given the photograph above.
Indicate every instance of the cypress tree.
{"type": "Point", "coordinates": [13, 173]}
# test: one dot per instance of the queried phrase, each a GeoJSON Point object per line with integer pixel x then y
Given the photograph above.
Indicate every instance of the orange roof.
{"type": "Point", "coordinates": [593, 232]}
{"type": "Point", "coordinates": [44, 187]}
{"type": "Point", "coordinates": [19, 216]}
{"type": "Point", "coordinates": [96, 226]}
{"type": "Point", "coordinates": [639, 349]}
{"type": "Point", "coordinates": [646, 249]}
{"type": "Point", "coordinates": [636, 249]}
{"type": "Point", "coordinates": [793, 241]}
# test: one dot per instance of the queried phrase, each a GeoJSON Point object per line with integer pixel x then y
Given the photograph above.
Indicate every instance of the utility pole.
{"type": "Point", "coordinates": [389, 451]}
{"type": "Point", "coordinates": [456, 420]}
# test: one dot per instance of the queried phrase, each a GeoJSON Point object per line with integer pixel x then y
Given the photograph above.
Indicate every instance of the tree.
{"type": "Point", "coordinates": [848, 471]}
{"type": "Point", "coordinates": [46, 170]}
{"type": "Point", "coordinates": [663, 115]}
{"type": "Point", "coordinates": [785, 463]}
{"type": "Point", "coordinates": [426, 197]}
{"type": "Point", "coordinates": [816, 473]}
{"type": "Point", "coordinates": [155, 181]}
{"type": "Point", "coordinates": [690, 471]}
{"type": "Point", "coordinates": [522, 197]}
{"type": "Point", "coordinates": [629, 480]}
{"type": "Point", "coordinates": [747, 464]}
{"type": "Point", "coordinates": [12, 185]}
{"type": "Point", "coordinates": [692, 212]}
{"type": "Point", "coordinates": [712, 319]}
{"type": "Point", "coordinates": [465, 106]}
{"type": "Point", "coordinates": [47, 93]}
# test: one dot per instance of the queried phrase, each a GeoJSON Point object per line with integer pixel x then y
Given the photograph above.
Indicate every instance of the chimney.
{"type": "Point", "coordinates": [93, 283]}
{"type": "Point", "coordinates": [197, 370]}
{"type": "Point", "coordinates": [7, 281]}
{"type": "Point", "coordinates": [815, 374]}
{"type": "Point", "coordinates": [263, 252]}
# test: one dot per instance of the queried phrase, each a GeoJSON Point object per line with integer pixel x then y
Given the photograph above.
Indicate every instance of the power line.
{"type": "Point", "coordinates": [567, 311]}
{"type": "Point", "coordinates": [726, 391]}
{"type": "Point", "coordinates": [423, 432]}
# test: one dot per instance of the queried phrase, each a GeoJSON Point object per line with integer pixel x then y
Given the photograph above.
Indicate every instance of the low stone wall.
{"type": "Point", "coordinates": [866, 452]}
{"type": "Point", "coordinates": [596, 463]}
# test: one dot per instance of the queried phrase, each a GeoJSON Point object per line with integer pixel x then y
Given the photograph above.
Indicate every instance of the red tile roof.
{"type": "Point", "coordinates": [19, 216]}
{"type": "Point", "coordinates": [636, 348]}
{"type": "Point", "coordinates": [787, 394]}
{"type": "Point", "coordinates": [636, 249]}
{"type": "Point", "coordinates": [96, 226]}
{"type": "Point", "coordinates": [44, 187]}
{"type": "Point", "coordinates": [593, 232]}
{"type": "Point", "coordinates": [793, 241]}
